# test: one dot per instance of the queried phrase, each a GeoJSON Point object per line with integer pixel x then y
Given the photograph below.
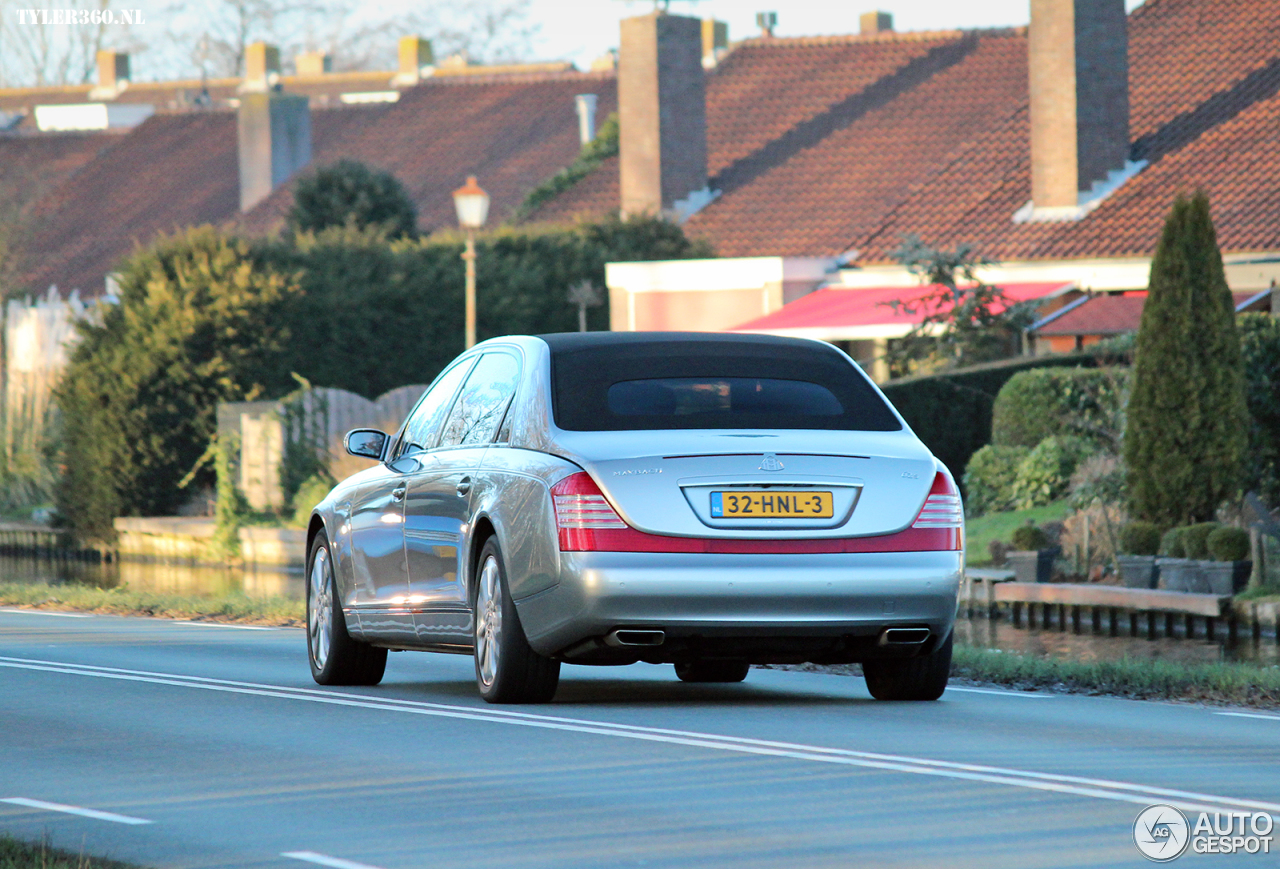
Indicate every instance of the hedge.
{"type": "Point", "coordinates": [952, 412]}
{"type": "Point", "coordinates": [206, 317]}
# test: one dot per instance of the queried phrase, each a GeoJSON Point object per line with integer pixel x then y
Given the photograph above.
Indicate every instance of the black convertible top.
{"type": "Point", "coordinates": [586, 365]}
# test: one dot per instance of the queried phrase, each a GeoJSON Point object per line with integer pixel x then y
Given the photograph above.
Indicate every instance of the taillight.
{"type": "Point", "coordinates": [582, 508]}
{"type": "Point", "coordinates": [942, 509]}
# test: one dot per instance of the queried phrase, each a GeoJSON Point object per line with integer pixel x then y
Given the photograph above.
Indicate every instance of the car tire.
{"type": "Point", "coordinates": [712, 671]}
{"type": "Point", "coordinates": [507, 669]}
{"type": "Point", "coordinates": [336, 658]}
{"type": "Point", "coordinates": [922, 678]}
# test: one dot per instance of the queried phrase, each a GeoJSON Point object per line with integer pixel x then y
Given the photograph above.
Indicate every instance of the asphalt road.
{"type": "Point", "coordinates": [172, 744]}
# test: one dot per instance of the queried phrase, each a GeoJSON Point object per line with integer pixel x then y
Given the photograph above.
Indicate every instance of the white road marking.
{"type": "Point", "coordinates": [325, 860]}
{"type": "Point", "coordinates": [47, 613]}
{"type": "Point", "coordinates": [75, 810]}
{"type": "Point", "coordinates": [1137, 794]}
{"type": "Point", "coordinates": [997, 692]}
{"type": "Point", "coordinates": [1250, 715]}
{"type": "Point", "coordinates": [226, 625]}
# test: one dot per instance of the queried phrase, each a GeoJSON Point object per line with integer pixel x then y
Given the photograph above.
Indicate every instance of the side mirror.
{"type": "Point", "coordinates": [367, 443]}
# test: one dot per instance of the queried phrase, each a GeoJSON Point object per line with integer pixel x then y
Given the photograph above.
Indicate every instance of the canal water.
{"type": "Point", "coordinates": [975, 631]}
{"type": "Point", "coordinates": [165, 578]}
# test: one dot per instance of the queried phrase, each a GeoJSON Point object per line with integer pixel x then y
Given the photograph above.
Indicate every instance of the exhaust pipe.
{"type": "Point", "coordinates": [634, 638]}
{"type": "Point", "coordinates": [904, 636]}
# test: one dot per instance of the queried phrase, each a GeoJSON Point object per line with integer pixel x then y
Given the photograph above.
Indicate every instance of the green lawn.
{"type": "Point", "coordinates": [999, 526]}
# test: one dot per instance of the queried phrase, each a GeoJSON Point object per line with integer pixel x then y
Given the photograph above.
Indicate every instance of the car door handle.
{"type": "Point", "coordinates": [464, 485]}
{"type": "Point", "coordinates": [397, 494]}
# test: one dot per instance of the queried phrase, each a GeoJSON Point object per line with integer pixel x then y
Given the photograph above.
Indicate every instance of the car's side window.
{"type": "Point", "coordinates": [483, 401]}
{"type": "Point", "coordinates": [424, 422]}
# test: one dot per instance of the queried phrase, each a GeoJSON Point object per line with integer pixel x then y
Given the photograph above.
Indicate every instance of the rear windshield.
{"type": "Point", "coordinates": [700, 384]}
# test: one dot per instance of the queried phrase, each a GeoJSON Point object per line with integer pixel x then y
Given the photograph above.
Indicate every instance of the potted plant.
{"type": "Point", "coordinates": [1228, 572]}
{"type": "Point", "coordinates": [1195, 540]}
{"type": "Point", "coordinates": [1033, 554]}
{"type": "Point", "coordinates": [1139, 543]}
{"type": "Point", "coordinates": [1172, 563]}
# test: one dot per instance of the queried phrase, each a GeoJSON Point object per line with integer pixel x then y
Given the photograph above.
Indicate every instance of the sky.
{"type": "Point", "coordinates": [580, 30]}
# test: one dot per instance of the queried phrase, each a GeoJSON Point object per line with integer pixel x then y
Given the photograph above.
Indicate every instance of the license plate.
{"type": "Point", "coordinates": [771, 504]}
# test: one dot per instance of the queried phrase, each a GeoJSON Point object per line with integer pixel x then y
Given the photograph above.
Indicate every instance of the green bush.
{"type": "Point", "coordinates": [1229, 544]}
{"type": "Point", "coordinates": [1044, 402]}
{"type": "Point", "coordinates": [1195, 539]}
{"type": "Point", "coordinates": [198, 322]}
{"type": "Point", "coordinates": [1171, 544]}
{"type": "Point", "coordinates": [1260, 347]}
{"type": "Point", "coordinates": [951, 412]}
{"type": "Point", "coordinates": [349, 193]}
{"type": "Point", "coordinates": [989, 479]}
{"type": "Point", "coordinates": [1140, 538]}
{"type": "Point", "coordinates": [1045, 473]}
{"type": "Point", "coordinates": [1188, 421]}
{"type": "Point", "coordinates": [1030, 537]}
{"type": "Point", "coordinates": [312, 491]}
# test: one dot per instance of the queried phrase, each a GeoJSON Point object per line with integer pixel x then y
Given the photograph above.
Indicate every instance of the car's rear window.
{"type": "Point", "coordinates": [720, 396]}
{"type": "Point", "coordinates": [709, 382]}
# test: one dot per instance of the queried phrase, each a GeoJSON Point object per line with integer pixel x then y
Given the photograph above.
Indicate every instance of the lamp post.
{"type": "Point", "coordinates": [472, 204]}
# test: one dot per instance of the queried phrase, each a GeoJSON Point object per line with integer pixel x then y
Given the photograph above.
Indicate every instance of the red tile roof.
{"type": "Point", "coordinates": [1107, 315]}
{"type": "Point", "coordinates": [824, 146]}
{"type": "Point", "coordinates": [817, 146]}
{"type": "Point", "coordinates": [179, 169]}
{"type": "Point", "coordinates": [511, 133]}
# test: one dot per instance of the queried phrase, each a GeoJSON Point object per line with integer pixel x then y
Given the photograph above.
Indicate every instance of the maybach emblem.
{"type": "Point", "coordinates": [771, 463]}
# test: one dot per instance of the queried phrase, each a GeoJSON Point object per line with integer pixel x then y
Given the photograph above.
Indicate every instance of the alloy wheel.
{"type": "Point", "coordinates": [320, 608]}
{"type": "Point", "coordinates": [488, 620]}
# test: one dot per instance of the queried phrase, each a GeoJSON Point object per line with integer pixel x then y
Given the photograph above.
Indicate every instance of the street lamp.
{"type": "Point", "coordinates": [472, 204]}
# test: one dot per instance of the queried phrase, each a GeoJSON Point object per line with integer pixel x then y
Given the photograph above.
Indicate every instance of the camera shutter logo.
{"type": "Point", "coordinates": [1161, 833]}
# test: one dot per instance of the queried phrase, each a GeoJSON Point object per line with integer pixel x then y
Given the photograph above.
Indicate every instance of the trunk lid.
{"type": "Point", "coordinates": [675, 482]}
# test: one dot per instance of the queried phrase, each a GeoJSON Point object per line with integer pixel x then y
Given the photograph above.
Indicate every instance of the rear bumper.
{"type": "Point", "coordinates": [765, 608]}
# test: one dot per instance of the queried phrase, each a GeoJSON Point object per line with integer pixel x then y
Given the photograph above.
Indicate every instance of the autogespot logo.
{"type": "Point", "coordinates": [1161, 833]}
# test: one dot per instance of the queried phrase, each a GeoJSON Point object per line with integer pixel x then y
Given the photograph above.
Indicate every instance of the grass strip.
{"type": "Point", "coordinates": [38, 855]}
{"type": "Point", "coordinates": [980, 531]}
{"type": "Point", "coordinates": [228, 607]}
{"type": "Point", "coordinates": [1234, 682]}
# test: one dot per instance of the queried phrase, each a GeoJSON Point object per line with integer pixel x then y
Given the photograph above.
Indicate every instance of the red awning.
{"type": "Point", "coordinates": [834, 314]}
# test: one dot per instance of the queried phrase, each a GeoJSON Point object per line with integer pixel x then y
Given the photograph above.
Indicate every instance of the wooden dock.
{"type": "Point", "coordinates": [1116, 611]}
{"type": "Point", "coordinates": [40, 541]}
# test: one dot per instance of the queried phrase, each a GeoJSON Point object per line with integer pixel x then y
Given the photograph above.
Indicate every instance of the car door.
{"type": "Point", "coordinates": [438, 501]}
{"type": "Point", "coordinates": [384, 593]}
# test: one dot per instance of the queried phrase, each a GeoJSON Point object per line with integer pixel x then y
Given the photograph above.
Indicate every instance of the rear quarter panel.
{"type": "Point", "coordinates": [514, 496]}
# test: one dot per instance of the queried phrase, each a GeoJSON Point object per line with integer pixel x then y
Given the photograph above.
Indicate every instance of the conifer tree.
{"type": "Point", "coordinates": [1188, 424]}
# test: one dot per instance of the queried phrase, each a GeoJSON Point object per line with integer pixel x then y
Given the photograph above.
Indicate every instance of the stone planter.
{"type": "Point", "coordinates": [1175, 574]}
{"type": "Point", "coordinates": [1138, 571]}
{"type": "Point", "coordinates": [1032, 565]}
{"type": "Point", "coordinates": [1227, 577]}
{"type": "Point", "coordinates": [1198, 576]}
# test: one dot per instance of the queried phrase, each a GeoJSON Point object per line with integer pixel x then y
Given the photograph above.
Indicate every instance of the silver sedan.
{"type": "Point", "coordinates": [704, 500]}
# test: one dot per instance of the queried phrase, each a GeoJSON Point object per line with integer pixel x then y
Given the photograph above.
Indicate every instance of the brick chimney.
{"type": "Point", "coordinates": [313, 63]}
{"type": "Point", "coordinates": [662, 112]}
{"type": "Point", "coordinates": [261, 68]}
{"type": "Point", "coordinates": [875, 22]}
{"type": "Point", "coordinates": [715, 41]}
{"type": "Point", "coordinates": [274, 132]}
{"type": "Point", "coordinates": [1079, 83]}
{"type": "Point", "coordinates": [113, 75]}
{"type": "Point", "coordinates": [416, 57]}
